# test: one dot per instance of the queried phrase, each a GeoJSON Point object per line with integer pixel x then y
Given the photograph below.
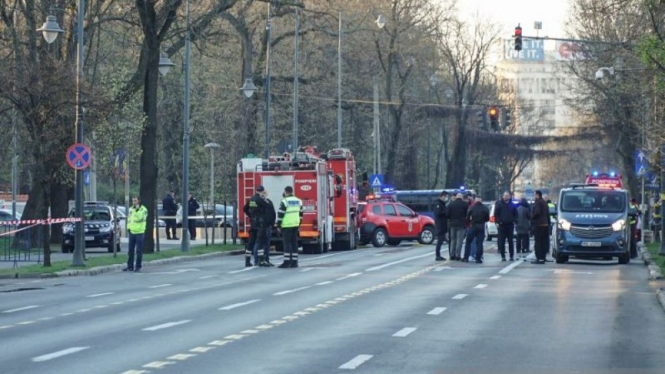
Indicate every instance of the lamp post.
{"type": "Point", "coordinates": [184, 244]}
{"type": "Point", "coordinates": [50, 31]}
{"type": "Point", "coordinates": [380, 23]}
{"type": "Point", "coordinates": [211, 147]}
{"type": "Point", "coordinates": [266, 150]}
{"type": "Point", "coordinates": [433, 80]}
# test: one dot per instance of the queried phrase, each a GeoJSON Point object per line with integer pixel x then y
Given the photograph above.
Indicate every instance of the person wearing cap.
{"type": "Point", "coordinates": [289, 216]}
{"type": "Point", "coordinates": [170, 209]}
{"type": "Point", "coordinates": [441, 216]}
{"type": "Point", "coordinates": [192, 207]}
{"type": "Point", "coordinates": [255, 208]}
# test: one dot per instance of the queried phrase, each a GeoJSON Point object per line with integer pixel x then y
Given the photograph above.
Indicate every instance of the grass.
{"type": "Point", "coordinates": [654, 248]}
{"type": "Point", "coordinates": [57, 266]}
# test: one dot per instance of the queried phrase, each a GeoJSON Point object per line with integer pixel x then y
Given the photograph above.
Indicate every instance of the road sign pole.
{"type": "Point", "coordinates": [662, 200]}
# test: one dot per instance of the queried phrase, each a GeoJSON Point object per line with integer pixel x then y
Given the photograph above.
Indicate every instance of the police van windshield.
{"type": "Point", "coordinates": [605, 201]}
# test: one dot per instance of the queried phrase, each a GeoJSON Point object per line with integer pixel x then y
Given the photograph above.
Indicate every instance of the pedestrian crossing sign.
{"type": "Point", "coordinates": [376, 180]}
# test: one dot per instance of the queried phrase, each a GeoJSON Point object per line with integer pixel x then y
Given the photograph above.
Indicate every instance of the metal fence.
{"type": "Point", "coordinates": [20, 242]}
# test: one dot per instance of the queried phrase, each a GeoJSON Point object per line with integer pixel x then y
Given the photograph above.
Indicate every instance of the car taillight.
{"type": "Point", "coordinates": [492, 219]}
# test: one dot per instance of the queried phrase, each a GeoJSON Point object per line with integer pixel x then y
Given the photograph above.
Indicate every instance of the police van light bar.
{"type": "Point", "coordinates": [461, 188]}
{"type": "Point", "coordinates": [595, 173]}
{"type": "Point", "coordinates": [612, 174]}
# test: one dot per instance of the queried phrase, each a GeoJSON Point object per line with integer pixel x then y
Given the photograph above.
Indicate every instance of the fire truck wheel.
{"type": "Point", "coordinates": [313, 249]}
{"type": "Point", "coordinates": [427, 235]}
{"type": "Point", "coordinates": [379, 238]}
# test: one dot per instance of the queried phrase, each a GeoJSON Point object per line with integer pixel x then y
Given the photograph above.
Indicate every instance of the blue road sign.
{"type": "Point", "coordinates": [652, 181]}
{"type": "Point", "coordinates": [376, 180]}
{"type": "Point", "coordinates": [86, 177]}
{"type": "Point", "coordinates": [641, 163]}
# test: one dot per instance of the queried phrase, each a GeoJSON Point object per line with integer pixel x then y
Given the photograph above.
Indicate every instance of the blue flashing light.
{"type": "Point", "coordinates": [612, 174]}
{"type": "Point", "coordinates": [595, 173]}
{"type": "Point", "coordinates": [461, 188]}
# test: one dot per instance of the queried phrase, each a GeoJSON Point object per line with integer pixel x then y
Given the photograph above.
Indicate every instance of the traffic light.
{"type": "Point", "coordinates": [505, 117]}
{"type": "Point", "coordinates": [493, 113]}
{"type": "Point", "coordinates": [518, 37]}
{"type": "Point", "coordinates": [482, 119]}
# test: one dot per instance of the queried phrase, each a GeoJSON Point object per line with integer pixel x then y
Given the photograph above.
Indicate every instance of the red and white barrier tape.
{"type": "Point", "coordinates": [47, 221]}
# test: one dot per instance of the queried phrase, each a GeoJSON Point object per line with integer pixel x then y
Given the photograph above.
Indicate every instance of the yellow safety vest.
{"type": "Point", "coordinates": [633, 219]}
{"type": "Point", "coordinates": [137, 219]}
{"type": "Point", "coordinates": [291, 217]}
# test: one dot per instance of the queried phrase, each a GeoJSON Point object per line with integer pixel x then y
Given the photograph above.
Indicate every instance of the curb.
{"type": "Point", "coordinates": [660, 295]}
{"type": "Point", "coordinates": [118, 267]}
{"type": "Point", "coordinates": [654, 270]}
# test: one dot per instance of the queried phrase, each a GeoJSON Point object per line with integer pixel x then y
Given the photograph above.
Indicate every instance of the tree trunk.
{"type": "Point", "coordinates": [59, 209]}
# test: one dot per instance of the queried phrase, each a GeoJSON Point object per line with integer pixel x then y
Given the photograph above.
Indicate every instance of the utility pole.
{"type": "Point", "coordinates": [662, 199]}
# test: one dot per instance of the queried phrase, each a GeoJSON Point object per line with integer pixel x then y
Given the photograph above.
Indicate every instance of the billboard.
{"type": "Point", "coordinates": [570, 51]}
{"type": "Point", "coordinates": [532, 50]}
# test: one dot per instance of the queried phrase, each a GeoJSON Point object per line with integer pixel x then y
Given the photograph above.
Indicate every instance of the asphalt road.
{"type": "Point", "coordinates": [388, 310]}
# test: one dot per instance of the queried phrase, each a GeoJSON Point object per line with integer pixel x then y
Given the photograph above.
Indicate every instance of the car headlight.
{"type": "Point", "coordinates": [564, 225]}
{"type": "Point", "coordinates": [67, 229]}
{"type": "Point", "coordinates": [619, 225]}
{"type": "Point", "coordinates": [105, 228]}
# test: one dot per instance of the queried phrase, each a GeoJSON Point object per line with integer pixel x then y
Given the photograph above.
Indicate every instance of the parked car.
{"type": "Point", "coordinates": [101, 228]}
{"type": "Point", "coordinates": [491, 231]}
{"type": "Point", "coordinates": [6, 215]}
{"type": "Point", "coordinates": [389, 222]}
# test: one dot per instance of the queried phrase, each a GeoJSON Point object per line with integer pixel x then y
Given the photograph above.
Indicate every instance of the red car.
{"type": "Point", "coordinates": [384, 221]}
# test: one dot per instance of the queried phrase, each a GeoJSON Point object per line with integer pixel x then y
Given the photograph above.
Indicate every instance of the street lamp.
{"type": "Point", "coordinates": [248, 88]}
{"type": "Point", "coordinates": [184, 244]}
{"type": "Point", "coordinates": [381, 23]}
{"type": "Point", "coordinates": [211, 147]}
{"type": "Point", "coordinates": [165, 64]}
{"type": "Point", "coordinates": [433, 81]}
{"type": "Point", "coordinates": [50, 31]}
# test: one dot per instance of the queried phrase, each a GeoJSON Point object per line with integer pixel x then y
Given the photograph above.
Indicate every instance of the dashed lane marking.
{"type": "Point", "coordinates": [21, 309]}
{"type": "Point", "coordinates": [436, 311]}
{"type": "Point", "coordinates": [349, 276]}
{"type": "Point", "coordinates": [359, 360]}
{"type": "Point", "coordinates": [375, 268]}
{"type": "Point", "coordinates": [480, 286]}
{"type": "Point", "coordinates": [161, 285]}
{"type": "Point", "coordinates": [167, 325]}
{"type": "Point", "coordinates": [201, 349]}
{"type": "Point", "coordinates": [101, 294]}
{"type": "Point", "coordinates": [404, 332]}
{"type": "Point", "coordinates": [323, 283]}
{"type": "Point", "coordinates": [495, 277]}
{"type": "Point", "coordinates": [238, 305]}
{"type": "Point", "coordinates": [280, 293]}
{"type": "Point", "coordinates": [355, 362]}
{"type": "Point", "coordinates": [459, 296]}
{"type": "Point", "coordinates": [182, 356]}
{"type": "Point", "coordinates": [53, 355]}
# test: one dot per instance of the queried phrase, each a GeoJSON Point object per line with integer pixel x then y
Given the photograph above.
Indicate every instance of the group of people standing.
{"type": "Point", "coordinates": [171, 210]}
{"type": "Point", "coordinates": [261, 212]}
{"type": "Point", "coordinates": [465, 216]}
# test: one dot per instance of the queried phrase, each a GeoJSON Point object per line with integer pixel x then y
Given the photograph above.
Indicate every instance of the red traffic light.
{"type": "Point", "coordinates": [518, 31]}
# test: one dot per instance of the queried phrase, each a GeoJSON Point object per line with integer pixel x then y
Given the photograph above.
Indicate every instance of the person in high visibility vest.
{"type": "Point", "coordinates": [289, 216]}
{"type": "Point", "coordinates": [136, 220]}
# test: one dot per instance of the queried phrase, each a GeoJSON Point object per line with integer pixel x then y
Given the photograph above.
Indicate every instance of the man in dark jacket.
{"type": "Point", "coordinates": [170, 209]}
{"type": "Point", "coordinates": [441, 216]}
{"type": "Point", "coordinates": [477, 216]}
{"type": "Point", "coordinates": [255, 208]}
{"type": "Point", "coordinates": [523, 226]}
{"type": "Point", "coordinates": [264, 236]}
{"type": "Point", "coordinates": [505, 215]}
{"type": "Point", "coordinates": [540, 220]}
{"type": "Point", "coordinates": [457, 210]}
{"type": "Point", "coordinates": [192, 207]}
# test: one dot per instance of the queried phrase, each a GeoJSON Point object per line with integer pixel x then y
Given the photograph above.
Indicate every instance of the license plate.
{"type": "Point", "coordinates": [89, 238]}
{"type": "Point", "coordinates": [591, 244]}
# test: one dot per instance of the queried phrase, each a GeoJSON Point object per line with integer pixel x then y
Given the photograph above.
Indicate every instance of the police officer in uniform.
{"type": "Point", "coordinates": [288, 222]}
{"type": "Point", "coordinates": [255, 208]}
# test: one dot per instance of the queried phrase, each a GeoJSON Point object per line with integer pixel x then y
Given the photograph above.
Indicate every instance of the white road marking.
{"type": "Point", "coordinates": [397, 262]}
{"type": "Point", "coordinates": [167, 325]}
{"type": "Point", "coordinates": [53, 355]}
{"type": "Point", "coordinates": [161, 285]}
{"type": "Point", "coordinates": [441, 268]}
{"type": "Point", "coordinates": [481, 286]}
{"type": "Point", "coordinates": [459, 296]}
{"type": "Point", "coordinates": [181, 356]}
{"type": "Point", "coordinates": [319, 257]}
{"type": "Point", "coordinates": [20, 309]}
{"type": "Point", "coordinates": [566, 271]}
{"type": "Point", "coordinates": [158, 364]}
{"type": "Point", "coordinates": [242, 270]}
{"type": "Point", "coordinates": [356, 361]}
{"type": "Point", "coordinates": [510, 267]}
{"type": "Point", "coordinates": [233, 306]}
{"type": "Point", "coordinates": [495, 277]}
{"type": "Point", "coordinates": [323, 283]}
{"type": "Point", "coordinates": [101, 294]}
{"type": "Point", "coordinates": [437, 311]}
{"type": "Point", "coordinates": [291, 291]}
{"type": "Point", "coordinates": [207, 277]}
{"type": "Point", "coordinates": [349, 276]}
{"type": "Point", "coordinates": [307, 269]}
{"type": "Point", "coordinates": [404, 332]}
{"type": "Point", "coordinates": [379, 254]}
{"type": "Point", "coordinates": [175, 272]}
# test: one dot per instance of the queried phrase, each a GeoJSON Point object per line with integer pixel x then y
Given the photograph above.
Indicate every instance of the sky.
{"type": "Point", "coordinates": [508, 13]}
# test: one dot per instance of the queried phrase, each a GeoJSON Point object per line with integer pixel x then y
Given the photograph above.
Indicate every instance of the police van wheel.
{"type": "Point", "coordinates": [379, 238]}
{"type": "Point", "coordinates": [561, 259]}
{"type": "Point", "coordinates": [624, 259]}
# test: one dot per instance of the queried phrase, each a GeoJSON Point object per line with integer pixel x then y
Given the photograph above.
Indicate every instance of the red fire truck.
{"type": "Point", "coordinates": [325, 183]}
